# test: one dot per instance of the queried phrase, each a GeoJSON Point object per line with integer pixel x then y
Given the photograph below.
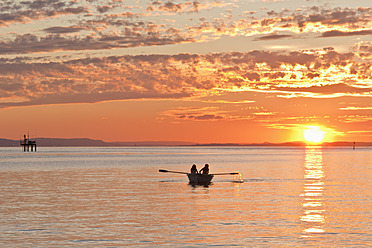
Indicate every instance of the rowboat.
{"type": "Point", "coordinates": [200, 179]}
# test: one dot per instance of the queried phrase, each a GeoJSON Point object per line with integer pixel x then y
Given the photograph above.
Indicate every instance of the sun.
{"type": "Point", "coordinates": [314, 134]}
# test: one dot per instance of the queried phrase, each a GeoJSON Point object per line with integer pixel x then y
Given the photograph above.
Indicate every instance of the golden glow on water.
{"type": "Point", "coordinates": [313, 217]}
{"type": "Point", "coordinates": [114, 197]}
{"type": "Point", "coordinates": [314, 230]}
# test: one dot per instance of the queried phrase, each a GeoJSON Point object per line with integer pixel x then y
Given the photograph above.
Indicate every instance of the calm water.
{"type": "Point", "coordinates": [115, 197]}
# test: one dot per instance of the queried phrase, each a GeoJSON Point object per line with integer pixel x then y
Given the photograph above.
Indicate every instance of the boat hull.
{"type": "Point", "coordinates": [200, 179]}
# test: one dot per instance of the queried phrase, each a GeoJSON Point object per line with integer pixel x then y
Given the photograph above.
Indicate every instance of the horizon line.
{"type": "Point", "coordinates": [98, 142]}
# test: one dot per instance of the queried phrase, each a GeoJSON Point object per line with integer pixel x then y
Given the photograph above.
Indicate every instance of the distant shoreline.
{"type": "Point", "coordinates": [85, 142]}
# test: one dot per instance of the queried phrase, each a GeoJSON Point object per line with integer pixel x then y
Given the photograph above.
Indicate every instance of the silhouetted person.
{"type": "Point", "coordinates": [194, 170]}
{"type": "Point", "coordinates": [205, 169]}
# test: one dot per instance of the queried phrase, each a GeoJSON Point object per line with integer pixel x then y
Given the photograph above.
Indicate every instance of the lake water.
{"type": "Point", "coordinates": [115, 197]}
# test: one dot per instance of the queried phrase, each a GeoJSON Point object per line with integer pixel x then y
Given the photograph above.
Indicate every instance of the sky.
{"type": "Point", "coordinates": [206, 71]}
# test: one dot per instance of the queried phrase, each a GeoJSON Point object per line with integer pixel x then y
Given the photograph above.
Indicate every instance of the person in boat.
{"type": "Point", "coordinates": [205, 170]}
{"type": "Point", "coordinates": [193, 169]}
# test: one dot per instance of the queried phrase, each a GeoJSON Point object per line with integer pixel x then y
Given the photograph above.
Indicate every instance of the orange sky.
{"type": "Point", "coordinates": [200, 71]}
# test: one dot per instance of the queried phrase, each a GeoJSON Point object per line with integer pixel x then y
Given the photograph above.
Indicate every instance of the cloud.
{"type": "Point", "coordinates": [62, 30]}
{"type": "Point", "coordinates": [187, 7]}
{"type": "Point", "coordinates": [27, 11]}
{"type": "Point", "coordinates": [205, 113]}
{"type": "Point", "coordinates": [302, 22]}
{"type": "Point", "coordinates": [348, 17]}
{"type": "Point", "coordinates": [312, 73]}
{"type": "Point", "coordinates": [94, 27]}
{"type": "Point", "coordinates": [112, 24]}
{"type": "Point", "coordinates": [336, 33]}
{"type": "Point", "coordinates": [229, 101]}
{"type": "Point", "coordinates": [30, 43]}
{"type": "Point", "coordinates": [274, 37]}
{"type": "Point", "coordinates": [330, 89]}
{"type": "Point", "coordinates": [9, 88]}
{"type": "Point", "coordinates": [356, 108]}
{"type": "Point", "coordinates": [208, 117]}
{"type": "Point", "coordinates": [195, 114]}
{"type": "Point", "coordinates": [356, 118]}
{"type": "Point", "coordinates": [264, 113]}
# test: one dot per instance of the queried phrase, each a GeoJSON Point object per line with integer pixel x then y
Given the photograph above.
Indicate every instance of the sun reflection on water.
{"type": "Point", "coordinates": [238, 178]}
{"type": "Point", "coordinates": [313, 216]}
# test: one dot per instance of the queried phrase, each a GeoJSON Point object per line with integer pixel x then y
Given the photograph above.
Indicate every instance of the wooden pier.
{"type": "Point", "coordinates": [28, 144]}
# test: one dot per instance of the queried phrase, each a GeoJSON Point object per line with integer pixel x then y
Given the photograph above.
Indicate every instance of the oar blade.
{"type": "Point", "coordinates": [161, 170]}
{"type": "Point", "coordinates": [227, 173]}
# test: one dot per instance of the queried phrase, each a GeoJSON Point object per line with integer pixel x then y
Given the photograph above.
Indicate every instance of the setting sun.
{"type": "Point", "coordinates": [314, 134]}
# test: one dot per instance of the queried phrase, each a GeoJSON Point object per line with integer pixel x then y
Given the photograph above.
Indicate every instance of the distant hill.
{"type": "Point", "coordinates": [151, 143]}
{"type": "Point", "coordinates": [92, 142]}
{"type": "Point", "coordinates": [47, 142]}
{"type": "Point", "coordinates": [68, 142]}
{"type": "Point", "coordinates": [9, 143]}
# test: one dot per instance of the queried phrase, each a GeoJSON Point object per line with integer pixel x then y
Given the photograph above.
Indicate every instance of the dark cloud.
{"type": "Point", "coordinates": [254, 76]}
{"type": "Point", "coordinates": [273, 59]}
{"type": "Point", "coordinates": [274, 37]}
{"type": "Point", "coordinates": [363, 50]}
{"type": "Point", "coordinates": [307, 20]}
{"type": "Point", "coordinates": [171, 7]}
{"type": "Point", "coordinates": [25, 11]}
{"type": "Point", "coordinates": [208, 117]}
{"type": "Point", "coordinates": [62, 30]}
{"type": "Point", "coordinates": [312, 75]}
{"type": "Point", "coordinates": [104, 8]}
{"type": "Point", "coordinates": [63, 98]}
{"type": "Point", "coordinates": [196, 114]}
{"type": "Point", "coordinates": [336, 33]}
{"type": "Point", "coordinates": [11, 87]}
{"type": "Point", "coordinates": [30, 43]}
{"type": "Point", "coordinates": [353, 17]}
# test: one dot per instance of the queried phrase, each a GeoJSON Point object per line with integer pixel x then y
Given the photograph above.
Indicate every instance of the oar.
{"type": "Point", "coordinates": [231, 173]}
{"type": "Point", "coordinates": [161, 170]}
{"type": "Point", "coordinates": [179, 172]}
